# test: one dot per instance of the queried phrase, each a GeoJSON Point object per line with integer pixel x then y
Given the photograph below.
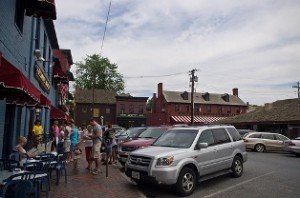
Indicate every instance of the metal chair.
{"type": "Point", "coordinates": [61, 166]}
{"type": "Point", "coordinates": [17, 189]}
{"type": "Point", "coordinates": [17, 156]}
{"type": "Point", "coordinates": [8, 164]}
{"type": "Point", "coordinates": [28, 176]}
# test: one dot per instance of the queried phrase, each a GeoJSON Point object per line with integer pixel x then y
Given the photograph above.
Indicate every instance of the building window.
{"type": "Point", "coordinates": [96, 113]}
{"type": "Point", "coordinates": [45, 51]}
{"type": "Point", "coordinates": [131, 109]}
{"type": "Point", "coordinates": [177, 108]}
{"type": "Point", "coordinates": [238, 110]}
{"type": "Point", "coordinates": [84, 109]}
{"type": "Point", "coordinates": [107, 110]}
{"type": "Point", "coordinates": [219, 109]}
{"type": "Point", "coordinates": [49, 59]}
{"type": "Point", "coordinates": [19, 14]}
{"type": "Point", "coordinates": [141, 109]}
{"type": "Point", "coordinates": [37, 33]}
{"type": "Point", "coordinates": [229, 109]}
{"type": "Point", "coordinates": [122, 109]}
{"type": "Point", "coordinates": [208, 108]}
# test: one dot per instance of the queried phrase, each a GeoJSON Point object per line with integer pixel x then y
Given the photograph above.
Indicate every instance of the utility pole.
{"type": "Point", "coordinates": [297, 87]}
{"type": "Point", "coordinates": [193, 79]}
{"type": "Point", "coordinates": [93, 95]}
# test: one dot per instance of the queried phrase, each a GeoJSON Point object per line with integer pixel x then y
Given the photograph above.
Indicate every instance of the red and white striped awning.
{"type": "Point", "coordinates": [197, 119]}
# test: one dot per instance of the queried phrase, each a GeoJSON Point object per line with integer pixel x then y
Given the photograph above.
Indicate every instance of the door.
{"type": "Point", "coordinates": [223, 149]}
{"type": "Point", "coordinates": [270, 142]}
{"type": "Point", "coordinates": [206, 156]}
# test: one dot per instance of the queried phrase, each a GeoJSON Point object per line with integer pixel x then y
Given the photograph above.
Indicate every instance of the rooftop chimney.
{"type": "Point", "coordinates": [235, 92]}
{"type": "Point", "coordinates": [159, 90]}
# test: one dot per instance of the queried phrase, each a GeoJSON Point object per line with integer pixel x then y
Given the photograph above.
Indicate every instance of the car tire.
{"type": "Point", "coordinates": [259, 148]}
{"type": "Point", "coordinates": [186, 182]}
{"type": "Point", "coordinates": [237, 167]}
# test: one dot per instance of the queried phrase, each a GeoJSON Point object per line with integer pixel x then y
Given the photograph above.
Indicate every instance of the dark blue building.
{"type": "Point", "coordinates": [31, 77]}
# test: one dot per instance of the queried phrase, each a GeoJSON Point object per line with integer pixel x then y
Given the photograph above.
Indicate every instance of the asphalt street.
{"type": "Point", "coordinates": [267, 175]}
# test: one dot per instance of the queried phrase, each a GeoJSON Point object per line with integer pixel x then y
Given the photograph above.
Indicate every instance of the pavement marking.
{"type": "Point", "coordinates": [239, 184]}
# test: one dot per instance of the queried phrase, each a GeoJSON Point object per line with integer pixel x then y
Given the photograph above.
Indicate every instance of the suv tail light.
{"type": "Point", "coordinates": [245, 140]}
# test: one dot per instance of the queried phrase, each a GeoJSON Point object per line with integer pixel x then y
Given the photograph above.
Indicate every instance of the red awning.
{"type": "Point", "coordinates": [45, 102]}
{"type": "Point", "coordinates": [57, 114]}
{"type": "Point", "coordinates": [12, 78]}
{"type": "Point", "coordinates": [58, 73]}
{"type": "Point", "coordinates": [197, 119]}
{"type": "Point", "coordinates": [41, 8]}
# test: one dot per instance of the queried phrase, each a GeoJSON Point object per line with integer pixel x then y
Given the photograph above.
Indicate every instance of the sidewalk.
{"type": "Point", "coordinates": [81, 183]}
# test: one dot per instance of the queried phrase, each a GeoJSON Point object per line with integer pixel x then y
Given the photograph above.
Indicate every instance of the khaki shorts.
{"type": "Point", "coordinates": [96, 151]}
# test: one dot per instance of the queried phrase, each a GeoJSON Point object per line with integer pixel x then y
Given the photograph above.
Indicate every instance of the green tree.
{"type": "Point", "coordinates": [99, 72]}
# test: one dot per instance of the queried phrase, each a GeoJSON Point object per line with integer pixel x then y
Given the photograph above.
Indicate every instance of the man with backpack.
{"type": "Point", "coordinates": [108, 139]}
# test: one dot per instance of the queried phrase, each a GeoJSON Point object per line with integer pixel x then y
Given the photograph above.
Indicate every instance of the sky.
{"type": "Point", "coordinates": [252, 45]}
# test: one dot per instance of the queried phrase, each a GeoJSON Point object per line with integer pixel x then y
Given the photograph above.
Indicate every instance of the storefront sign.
{"type": "Point", "coordinates": [42, 79]}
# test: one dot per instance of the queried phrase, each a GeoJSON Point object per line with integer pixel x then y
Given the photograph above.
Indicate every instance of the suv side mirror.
{"type": "Point", "coordinates": [202, 145]}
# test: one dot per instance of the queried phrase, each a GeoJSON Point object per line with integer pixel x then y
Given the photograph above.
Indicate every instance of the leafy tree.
{"type": "Point", "coordinates": [99, 72]}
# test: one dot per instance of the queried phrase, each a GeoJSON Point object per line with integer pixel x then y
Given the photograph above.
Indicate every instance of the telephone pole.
{"type": "Point", "coordinates": [193, 79]}
{"type": "Point", "coordinates": [297, 87]}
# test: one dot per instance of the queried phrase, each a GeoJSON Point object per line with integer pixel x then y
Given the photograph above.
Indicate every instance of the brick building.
{"type": "Point", "coordinates": [131, 111]}
{"type": "Point", "coordinates": [102, 106]}
{"type": "Point", "coordinates": [27, 88]}
{"type": "Point", "coordinates": [172, 107]}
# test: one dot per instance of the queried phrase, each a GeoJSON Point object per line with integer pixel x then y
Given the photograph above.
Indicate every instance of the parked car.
{"type": "Point", "coordinates": [262, 141]}
{"type": "Point", "coordinates": [183, 156]}
{"type": "Point", "coordinates": [293, 146]}
{"type": "Point", "coordinates": [146, 138]}
{"type": "Point", "coordinates": [130, 134]}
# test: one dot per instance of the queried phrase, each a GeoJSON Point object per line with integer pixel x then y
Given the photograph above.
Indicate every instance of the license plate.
{"type": "Point", "coordinates": [135, 175]}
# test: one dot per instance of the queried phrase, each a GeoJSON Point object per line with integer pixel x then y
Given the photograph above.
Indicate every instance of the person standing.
{"type": "Point", "coordinates": [74, 136]}
{"type": "Point", "coordinates": [37, 129]}
{"type": "Point", "coordinates": [55, 132]}
{"type": "Point", "coordinates": [87, 132]}
{"type": "Point", "coordinates": [97, 138]}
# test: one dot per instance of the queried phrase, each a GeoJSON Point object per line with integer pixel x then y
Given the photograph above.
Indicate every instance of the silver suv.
{"type": "Point", "coordinates": [183, 156]}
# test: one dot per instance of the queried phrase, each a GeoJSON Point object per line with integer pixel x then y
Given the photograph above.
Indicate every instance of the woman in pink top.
{"type": "Point", "coordinates": [55, 132]}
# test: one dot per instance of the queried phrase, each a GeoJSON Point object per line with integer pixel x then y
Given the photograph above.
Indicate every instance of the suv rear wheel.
{"type": "Point", "coordinates": [237, 167]}
{"type": "Point", "coordinates": [186, 182]}
{"type": "Point", "coordinates": [259, 148]}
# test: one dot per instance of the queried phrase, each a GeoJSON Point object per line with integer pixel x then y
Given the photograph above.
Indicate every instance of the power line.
{"type": "Point", "coordinates": [105, 27]}
{"type": "Point", "coordinates": [156, 76]}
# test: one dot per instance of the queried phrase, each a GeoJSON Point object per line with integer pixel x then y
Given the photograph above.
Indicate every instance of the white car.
{"type": "Point", "coordinates": [293, 146]}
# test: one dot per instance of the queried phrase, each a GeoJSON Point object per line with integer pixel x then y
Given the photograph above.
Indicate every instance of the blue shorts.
{"type": "Point", "coordinates": [73, 147]}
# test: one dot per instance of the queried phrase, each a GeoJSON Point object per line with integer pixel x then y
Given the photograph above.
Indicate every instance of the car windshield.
{"type": "Point", "coordinates": [177, 138]}
{"type": "Point", "coordinates": [134, 132]}
{"type": "Point", "coordinates": [152, 132]}
{"type": "Point", "coordinates": [121, 133]}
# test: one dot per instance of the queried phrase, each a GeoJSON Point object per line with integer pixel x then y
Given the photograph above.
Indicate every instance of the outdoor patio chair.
{"type": "Point", "coordinates": [8, 164]}
{"type": "Point", "coordinates": [17, 156]}
{"type": "Point", "coordinates": [29, 176]}
{"type": "Point", "coordinates": [17, 189]}
{"type": "Point", "coordinates": [61, 166]}
{"type": "Point", "coordinates": [41, 167]}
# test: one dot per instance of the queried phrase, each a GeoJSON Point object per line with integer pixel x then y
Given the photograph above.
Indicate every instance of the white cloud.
{"type": "Point", "coordinates": [253, 45]}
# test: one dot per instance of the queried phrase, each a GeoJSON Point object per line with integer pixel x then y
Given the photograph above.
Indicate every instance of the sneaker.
{"type": "Point", "coordinates": [96, 172]}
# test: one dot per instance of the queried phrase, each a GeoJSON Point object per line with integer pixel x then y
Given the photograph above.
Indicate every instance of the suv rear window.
{"type": "Point", "coordinates": [221, 136]}
{"type": "Point", "coordinates": [234, 134]}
